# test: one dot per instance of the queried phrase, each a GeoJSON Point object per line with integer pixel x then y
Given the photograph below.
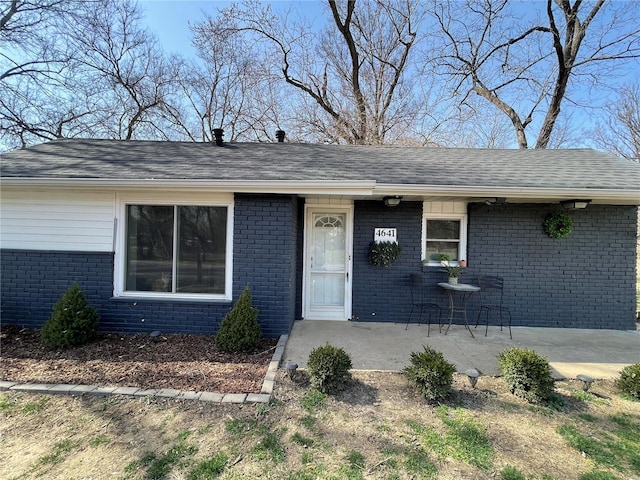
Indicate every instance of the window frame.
{"type": "Point", "coordinates": [173, 200]}
{"type": "Point", "coordinates": [462, 241]}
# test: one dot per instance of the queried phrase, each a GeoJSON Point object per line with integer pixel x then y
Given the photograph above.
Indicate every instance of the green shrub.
{"type": "Point", "coordinates": [431, 374]}
{"type": "Point", "coordinates": [629, 381]}
{"type": "Point", "coordinates": [73, 321]}
{"type": "Point", "coordinates": [240, 330]}
{"type": "Point", "coordinates": [328, 368]}
{"type": "Point", "coordinates": [511, 473]}
{"type": "Point", "coordinates": [527, 374]}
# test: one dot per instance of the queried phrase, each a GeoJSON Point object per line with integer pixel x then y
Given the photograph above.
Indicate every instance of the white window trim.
{"type": "Point", "coordinates": [462, 217]}
{"type": "Point", "coordinates": [170, 199]}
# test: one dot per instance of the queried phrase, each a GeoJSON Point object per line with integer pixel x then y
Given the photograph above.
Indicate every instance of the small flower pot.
{"type": "Point", "coordinates": [453, 280]}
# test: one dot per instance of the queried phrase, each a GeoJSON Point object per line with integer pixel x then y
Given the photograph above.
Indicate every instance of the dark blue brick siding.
{"type": "Point", "coordinates": [382, 294]}
{"type": "Point", "coordinates": [32, 281]}
{"type": "Point", "coordinates": [265, 256]}
{"type": "Point", "coordinates": [584, 281]}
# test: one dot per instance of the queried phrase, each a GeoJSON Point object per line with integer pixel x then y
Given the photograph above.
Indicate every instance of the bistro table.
{"type": "Point", "coordinates": [463, 292]}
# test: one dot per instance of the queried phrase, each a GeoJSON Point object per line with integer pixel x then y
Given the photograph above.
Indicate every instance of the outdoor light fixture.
{"type": "Point", "coordinates": [495, 201]}
{"type": "Point", "coordinates": [473, 375]}
{"type": "Point", "coordinates": [291, 369]}
{"type": "Point", "coordinates": [392, 201]}
{"type": "Point", "coordinates": [575, 204]}
{"type": "Point", "coordinates": [586, 381]}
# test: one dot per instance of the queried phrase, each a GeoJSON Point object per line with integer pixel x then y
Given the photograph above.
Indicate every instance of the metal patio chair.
{"type": "Point", "coordinates": [491, 295]}
{"type": "Point", "coordinates": [418, 302]}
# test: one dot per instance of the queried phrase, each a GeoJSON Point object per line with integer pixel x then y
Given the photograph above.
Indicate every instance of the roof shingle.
{"type": "Point", "coordinates": [255, 162]}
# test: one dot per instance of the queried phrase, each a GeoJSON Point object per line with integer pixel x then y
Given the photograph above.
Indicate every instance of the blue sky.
{"type": "Point", "coordinates": [169, 19]}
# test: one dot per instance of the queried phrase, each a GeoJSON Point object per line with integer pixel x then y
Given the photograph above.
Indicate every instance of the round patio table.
{"type": "Point", "coordinates": [459, 295]}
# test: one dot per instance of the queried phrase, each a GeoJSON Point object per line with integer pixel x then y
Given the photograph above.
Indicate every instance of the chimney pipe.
{"type": "Point", "coordinates": [219, 134]}
{"type": "Point", "coordinates": [280, 135]}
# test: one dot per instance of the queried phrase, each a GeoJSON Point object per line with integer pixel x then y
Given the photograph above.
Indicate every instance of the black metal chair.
{"type": "Point", "coordinates": [418, 302]}
{"type": "Point", "coordinates": [491, 294]}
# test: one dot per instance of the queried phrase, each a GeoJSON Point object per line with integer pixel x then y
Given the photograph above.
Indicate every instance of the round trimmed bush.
{"type": "Point", "coordinates": [629, 381]}
{"type": "Point", "coordinates": [527, 374]}
{"type": "Point", "coordinates": [73, 321]}
{"type": "Point", "coordinates": [431, 374]}
{"type": "Point", "coordinates": [328, 368]}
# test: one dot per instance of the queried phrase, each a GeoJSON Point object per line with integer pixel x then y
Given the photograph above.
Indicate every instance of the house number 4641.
{"type": "Point", "coordinates": [384, 235]}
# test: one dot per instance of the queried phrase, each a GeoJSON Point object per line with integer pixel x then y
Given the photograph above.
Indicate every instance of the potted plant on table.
{"type": "Point", "coordinates": [453, 271]}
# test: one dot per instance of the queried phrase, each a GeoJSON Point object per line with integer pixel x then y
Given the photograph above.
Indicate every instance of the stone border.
{"type": "Point", "coordinates": [66, 389]}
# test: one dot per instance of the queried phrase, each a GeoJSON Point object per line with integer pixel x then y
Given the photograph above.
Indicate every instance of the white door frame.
{"type": "Point", "coordinates": [309, 211]}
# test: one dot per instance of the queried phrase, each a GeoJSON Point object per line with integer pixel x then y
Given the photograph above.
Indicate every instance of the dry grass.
{"type": "Point", "coordinates": [378, 428]}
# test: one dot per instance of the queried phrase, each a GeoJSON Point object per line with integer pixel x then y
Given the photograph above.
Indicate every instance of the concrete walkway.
{"type": "Point", "coordinates": [387, 346]}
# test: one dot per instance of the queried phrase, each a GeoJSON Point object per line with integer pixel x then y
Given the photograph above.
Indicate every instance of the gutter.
{"type": "Point", "coordinates": [292, 187]}
{"type": "Point", "coordinates": [620, 196]}
{"type": "Point", "coordinates": [356, 188]}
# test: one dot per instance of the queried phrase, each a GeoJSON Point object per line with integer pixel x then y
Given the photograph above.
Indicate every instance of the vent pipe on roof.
{"type": "Point", "coordinates": [219, 136]}
{"type": "Point", "coordinates": [280, 134]}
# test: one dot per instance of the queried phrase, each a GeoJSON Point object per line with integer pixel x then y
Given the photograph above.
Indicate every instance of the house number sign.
{"type": "Point", "coordinates": [385, 235]}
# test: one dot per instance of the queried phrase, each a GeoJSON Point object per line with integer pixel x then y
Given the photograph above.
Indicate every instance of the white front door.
{"type": "Point", "coordinates": [327, 267]}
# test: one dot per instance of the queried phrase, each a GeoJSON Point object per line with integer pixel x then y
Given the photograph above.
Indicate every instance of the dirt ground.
{"type": "Point", "coordinates": [378, 416]}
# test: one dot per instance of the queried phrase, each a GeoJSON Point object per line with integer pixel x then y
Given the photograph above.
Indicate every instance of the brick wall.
{"type": "Point", "coordinates": [265, 249]}
{"type": "Point", "coordinates": [586, 280]}
{"type": "Point", "coordinates": [265, 256]}
{"type": "Point", "coordinates": [32, 281]}
{"type": "Point", "coordinates": [382, 294]}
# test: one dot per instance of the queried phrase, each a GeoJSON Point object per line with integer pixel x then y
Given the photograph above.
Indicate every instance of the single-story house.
{"type": "Point", "coordinates": [165, 235]}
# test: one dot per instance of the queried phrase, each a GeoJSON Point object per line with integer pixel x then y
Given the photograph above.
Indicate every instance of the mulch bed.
{"type": "Point", "coordinates": [183, 362]}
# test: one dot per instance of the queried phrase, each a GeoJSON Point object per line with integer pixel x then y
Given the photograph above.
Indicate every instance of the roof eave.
{"type": "Point", "coordinates": [602, 195]}
{"type": "Point", "coordinates": [359, 188]}
{"type": "Point", "coordinates": [292, 187]}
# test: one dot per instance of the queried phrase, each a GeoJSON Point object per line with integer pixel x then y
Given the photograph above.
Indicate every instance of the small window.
{"type": "Point", "coordinates": [171, 249]}
{"type": "Point", "coordinates": [444, 235]}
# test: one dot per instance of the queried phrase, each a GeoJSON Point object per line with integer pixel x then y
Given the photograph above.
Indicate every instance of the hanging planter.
{"type": "Point", "coordinates": [558, 225]}
{"type": "Point", "coordinates": [383, 254]}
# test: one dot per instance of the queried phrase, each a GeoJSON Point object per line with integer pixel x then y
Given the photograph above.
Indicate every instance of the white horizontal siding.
{"type": "Point", "coordinates": [33, 219]}
{"type": "Point", "coordinates": [445, 207]}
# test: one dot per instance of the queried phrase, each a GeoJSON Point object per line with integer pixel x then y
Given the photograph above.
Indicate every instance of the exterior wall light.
{"type": "Point", "coordinates": [392, 201]}
{"type": "Point", "coordinates": [495, 201]}
{"type": "Point", "coordinates": [575, 204]}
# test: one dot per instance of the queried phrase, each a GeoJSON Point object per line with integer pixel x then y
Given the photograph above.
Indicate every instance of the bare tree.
{"type": "Point", "coordinates": [120, 59]}
{"type": "Point", "coordinates": [525, 65]}
{"type": "Point", "coordinates": [84, 68]}
{"type": "Point", "coordinates": [620, 134]}
{"type": "Point", "coordinates": [34, 61]}
{"type": "Point", "coordinates": [28, 49]}
{"type": "Point", "coordinates": [352, 75]}
{"type": "Point", "coordinates": [226, 87]}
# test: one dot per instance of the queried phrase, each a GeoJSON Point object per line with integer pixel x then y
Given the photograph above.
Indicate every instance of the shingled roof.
{"type": "Point", "coordinates": [383, 169]}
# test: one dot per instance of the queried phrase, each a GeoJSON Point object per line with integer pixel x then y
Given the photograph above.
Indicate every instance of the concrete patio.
{"type": "Point", "coordinates": [387, 346]}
